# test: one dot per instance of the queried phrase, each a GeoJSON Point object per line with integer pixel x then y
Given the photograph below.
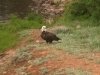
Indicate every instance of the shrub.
{"type": "Point", "coordinates": [32, 20]}
{"type": "Point", "coordinates": [35, 17]}
{"type": "Point", "coordinates": [83, 9]}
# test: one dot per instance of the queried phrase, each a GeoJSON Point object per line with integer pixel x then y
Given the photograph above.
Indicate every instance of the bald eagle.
{"type": "Point", "coordinates": [48, 36]}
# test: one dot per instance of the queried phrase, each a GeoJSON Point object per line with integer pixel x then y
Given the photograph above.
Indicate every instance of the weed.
{"type": "Point", "coordinates": [43, 71]}
{"type": "Point", "coordinates": [60, 71]}
{"type": "Point", "coordinates": [39, 46]}
{"type": "Point", "coordinates": [23, 54]}
{"type": "Point", "coordinates": [41, 60]}
{"type": "Point", "coordinates": [70, 71]}
{"type": "Point", "coordinates": [86, 55]}
{"type": "Point", "coordinates": [20, 71]}
{"type": "Point", "coordinates": [73, 71]}
{"type": "Point", "coordinates": [24, 33]}
{"type": "Point", "coordinates": [97, 61]}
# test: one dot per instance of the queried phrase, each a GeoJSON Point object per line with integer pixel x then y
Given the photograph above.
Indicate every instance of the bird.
{"type": "Point", "coordinates": [48, 36]}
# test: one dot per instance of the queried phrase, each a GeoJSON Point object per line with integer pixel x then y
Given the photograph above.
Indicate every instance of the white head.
{"type": "Point", "coordinates": [43, 28]}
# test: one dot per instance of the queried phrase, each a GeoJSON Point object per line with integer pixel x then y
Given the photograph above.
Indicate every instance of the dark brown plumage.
{"type": "Point", "coordinates": [48, 36]}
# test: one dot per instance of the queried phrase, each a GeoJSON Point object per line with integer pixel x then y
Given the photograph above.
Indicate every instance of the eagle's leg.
{"type": "Point", "coordinates": [50, 41]}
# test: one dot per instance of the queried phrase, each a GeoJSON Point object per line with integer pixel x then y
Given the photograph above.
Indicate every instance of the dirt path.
{"type": "Point", "coordinates": [57, 59]}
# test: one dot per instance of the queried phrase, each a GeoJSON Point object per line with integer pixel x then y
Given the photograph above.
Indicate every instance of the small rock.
{"type": "Point", "coordinates": [37, 41]}
{"type": "Point", "coordinates": [4, 72]}
{"type": "Point", "coordinates": [29, 67]}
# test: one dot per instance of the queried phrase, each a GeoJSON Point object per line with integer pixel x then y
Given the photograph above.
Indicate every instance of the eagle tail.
{"type": "Point", "coordinates": [57, 39]}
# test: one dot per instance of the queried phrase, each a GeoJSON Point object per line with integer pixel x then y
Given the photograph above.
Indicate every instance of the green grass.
{"type": "Point", "coordinates": [24, 33]}
{"type": "Point", "coordinates": [25, 24]}
{"type": "Point", "coordinates": [7, 40]}
{"type": "Point", "coordinates": [9, 31]}
{"type": "Point", "coordinates": [80, 40]}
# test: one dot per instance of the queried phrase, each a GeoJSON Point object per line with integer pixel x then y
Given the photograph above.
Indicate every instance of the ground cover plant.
{"type": "Point", "coordinates": [8, 31]}
{"type": "Point", "coordinates": [70, 71]}
{"type": "Point", "coordinates": [7, 40]}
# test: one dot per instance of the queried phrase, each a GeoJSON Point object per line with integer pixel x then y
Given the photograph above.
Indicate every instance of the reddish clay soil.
{"type": "Point", "coordinates": [63, 59]}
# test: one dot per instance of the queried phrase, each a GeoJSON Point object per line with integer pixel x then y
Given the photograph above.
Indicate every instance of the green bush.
{"type": "Point", "coordinates": [31, 21]}
{"type": "Point", "coordinates": [83, 9]}
{"type": "Point", "coordinates": [35, 17]}
{"type": "Point", "coordinates": [77, 8]}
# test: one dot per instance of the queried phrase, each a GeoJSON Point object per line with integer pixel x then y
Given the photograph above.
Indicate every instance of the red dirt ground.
{"type": "Point", "coordinates": [64, 59]}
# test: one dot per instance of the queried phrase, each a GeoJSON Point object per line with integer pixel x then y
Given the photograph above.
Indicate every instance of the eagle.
{"type": "Point", "coordinates": [48, 36]}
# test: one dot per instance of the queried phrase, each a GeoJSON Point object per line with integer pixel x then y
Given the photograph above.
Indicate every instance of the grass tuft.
{"type": "Point", "coordinates": [42, 59]}
{"type": "Point", "coordinates": [43, 71]}
{"type": "Point", "coordinates": [22, 54]}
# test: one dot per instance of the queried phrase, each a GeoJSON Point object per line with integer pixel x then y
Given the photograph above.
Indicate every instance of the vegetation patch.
{"type": "Point", "coordinates": [7, 40]}
{"type": "Point", "coordinates": [21, 71]}
{"type": "Point", "coordinates": [43, 71]}
{"type": "Point", "coordinates": [42, 59]}
{"type": "Point", "coordinates": [86, 55]}
{"type": "Point", "coordinates": [9, 31]}
{"type": "Point", "coordinates": [22, 54]}
{"type": "Point", "coordinates": [97, 61]}
{"type": "Point", "coordinates": [79, 40]}
{"type": "Point", "coordinates": [24, 33]}
{"type": "Point", "coordinates": [70, 71]}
